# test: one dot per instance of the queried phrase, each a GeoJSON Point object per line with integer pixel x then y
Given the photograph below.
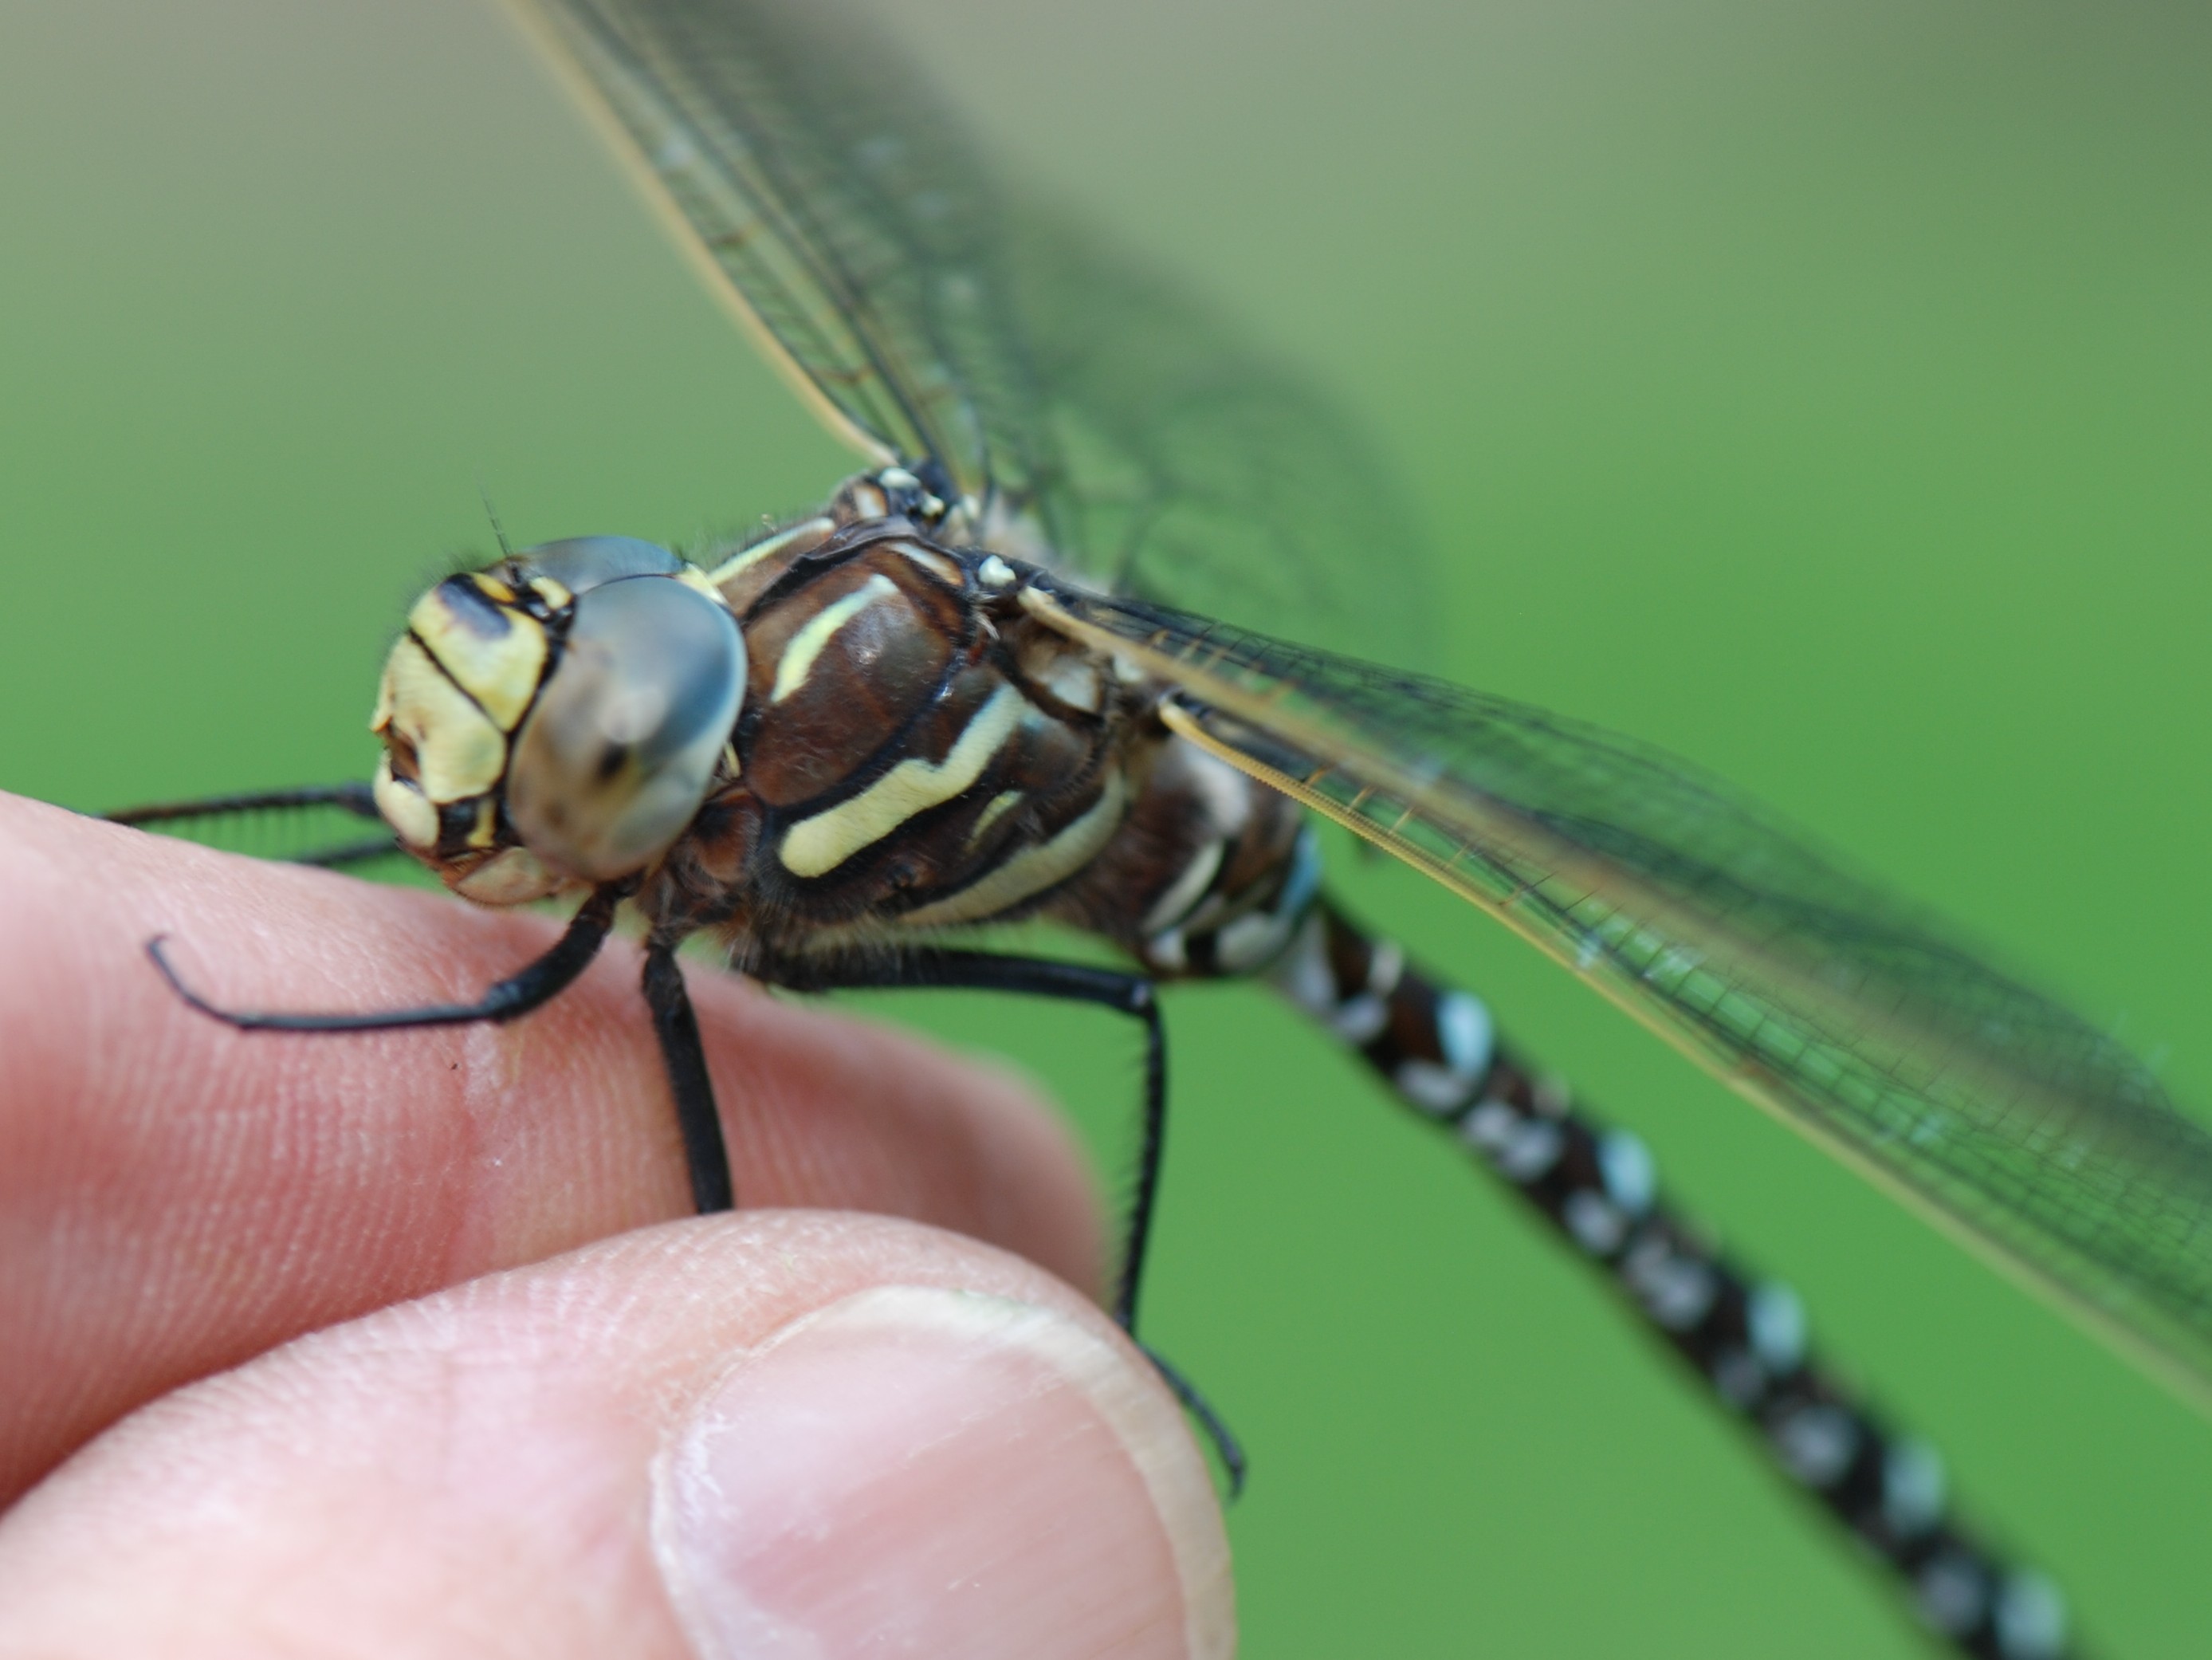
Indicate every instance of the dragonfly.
{"type": "Point", "coordinates": [1073, 478]}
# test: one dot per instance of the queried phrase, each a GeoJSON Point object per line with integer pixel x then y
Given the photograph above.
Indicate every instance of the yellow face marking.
{"type": "Point", "coordinates": [816, 846]}
{"type": "Point", "coordinates": [381, 716]}
{"type": "Point", "coordinates": [555, 594]}
{"type": "Point", "coordinates": [514, 877]}
{"type": "Point", "coordinates": [458, 752]}
{"type": "Point", "coordinates": [485, 831]}
{"type": "Point", "coordinates": [1001, 806]}
{"type": "Point", "coordinates": [743, 560]}
{"type": "Point", "coordinates": [807, 644]}
{"type": "Point", "coordinates": [1032, 870]}
{"type": "Point", "coordinates": [493, 653]}
{"type": "Point", "coordinates": [413, 819]}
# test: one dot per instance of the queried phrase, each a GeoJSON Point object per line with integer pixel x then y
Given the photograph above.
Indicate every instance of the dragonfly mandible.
{"type": "Point", "coordinates": [1606, 887]}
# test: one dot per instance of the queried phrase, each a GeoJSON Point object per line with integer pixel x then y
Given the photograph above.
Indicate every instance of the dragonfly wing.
{"type": "Point", "coordinates": [1851, 1011]}
{"type": "Point", "coordinates": [1196, 471]}
{"type": "Point", "coordinates": [834, 209]}
{"type": "Point", "coordinates": [1102, 421]}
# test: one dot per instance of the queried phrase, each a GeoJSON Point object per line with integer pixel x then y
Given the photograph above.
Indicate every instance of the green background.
{"type": "Point", "coordinates": [1820, 389]}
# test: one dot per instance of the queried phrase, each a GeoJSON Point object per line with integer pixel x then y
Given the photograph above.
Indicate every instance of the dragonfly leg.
{"type": "Point", "coordinates": [705, 1154]}
{"type": "Point", "coordinates": [1030, 976]}
{"type": "Point", "coordinates": [352, 798]}
{"type": "Point", "coordinates": [1226, 1447]}
{"type": "Point", "coordinates": [1128, 993]}
{"type": "Point", "coordinates": [535, 985]}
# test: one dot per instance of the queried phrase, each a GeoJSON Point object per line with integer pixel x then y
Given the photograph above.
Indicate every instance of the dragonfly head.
{"type": "Point", "coordinates": [556, 719]}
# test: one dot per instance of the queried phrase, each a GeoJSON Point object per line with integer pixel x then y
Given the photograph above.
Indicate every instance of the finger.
{"type": "Point", "coordinates": [770, 1435]}
{"type": "Point", "coordinates": [175, 1196]}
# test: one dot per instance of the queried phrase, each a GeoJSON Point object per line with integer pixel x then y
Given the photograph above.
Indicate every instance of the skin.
{"type": "Point", "coordinates": [402, 1343]}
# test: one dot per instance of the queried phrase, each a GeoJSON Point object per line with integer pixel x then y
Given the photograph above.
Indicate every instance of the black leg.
{"type": "Point", "coordinates": [355, 799]}
{"type": "Point", "coordinates": [1226, 1446]}
{"type": "Point", "coordinates": [536, 985]}
{"type": "Point", "coordinates": [1128, 994]}
{"type": "Point", "coordinates": [704, 1154]}
{"type": "Point", "coordinates": [1031, 976]}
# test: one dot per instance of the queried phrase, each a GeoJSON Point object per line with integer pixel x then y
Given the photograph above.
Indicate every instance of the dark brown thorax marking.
{"type": "Point", "coordinates": [845, 664]}
{"type": "Point", "coordinates": [914, 752]}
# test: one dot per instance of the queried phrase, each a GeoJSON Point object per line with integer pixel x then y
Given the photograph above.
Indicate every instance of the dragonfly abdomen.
{"type": "Point", "coordinates": [1742, 1335]}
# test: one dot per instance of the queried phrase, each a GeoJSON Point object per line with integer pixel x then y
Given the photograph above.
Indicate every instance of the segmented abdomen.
{"type": "Point", "coordinates": [1743, 1335]}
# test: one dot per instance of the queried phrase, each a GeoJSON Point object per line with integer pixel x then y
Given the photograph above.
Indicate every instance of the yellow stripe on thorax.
{"type": "Point", "coordinates": [746, 558]}
{"type": "Point", "coordinates": [1000, 804]}
{"type": "Point", "coordinates": [1032, 870]}
{"type": "Point", "coordinates": [807, 645]}
{"type": "Point", "coordinates": [816, 846]}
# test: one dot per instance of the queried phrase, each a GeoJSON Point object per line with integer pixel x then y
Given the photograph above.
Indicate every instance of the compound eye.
{"type": "Point", "coordinates": [583, 563]}
{"type": "Point", "coordinates": [615, 756]}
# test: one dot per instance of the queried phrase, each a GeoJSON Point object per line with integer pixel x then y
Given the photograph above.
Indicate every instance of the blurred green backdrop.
{"type": "Point", "coordinates": [1819, 390]}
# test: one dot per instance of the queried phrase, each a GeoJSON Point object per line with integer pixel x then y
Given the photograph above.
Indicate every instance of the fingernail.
{"type": "Point", "coordinates": [920, 1471]}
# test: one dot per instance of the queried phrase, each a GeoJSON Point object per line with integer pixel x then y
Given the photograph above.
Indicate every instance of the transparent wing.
{"type": "Point", "coordinates": [1196, 473]}
{"type": "Point", "coordinates": [1851, 1011]}
{"type": "Point", "coordinates": [1111, 426]}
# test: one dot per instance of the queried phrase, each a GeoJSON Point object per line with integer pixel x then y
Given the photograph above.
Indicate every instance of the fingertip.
{"type": "Point", "coordinates": [778, 1433]}
{"type": "Point", "coordinates": [180, 1195]}
{"type": "Point", "coordinates": [918, 1469]}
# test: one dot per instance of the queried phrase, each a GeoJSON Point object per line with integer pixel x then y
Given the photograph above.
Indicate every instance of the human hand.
{"type": "Point", "coordinates": [531, 1414]}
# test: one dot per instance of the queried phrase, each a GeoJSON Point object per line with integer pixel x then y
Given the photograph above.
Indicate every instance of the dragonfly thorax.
{"type": "Point", "coordinates": [914, 750]}
{"type": "Point", "coordinates": [921, 751]}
